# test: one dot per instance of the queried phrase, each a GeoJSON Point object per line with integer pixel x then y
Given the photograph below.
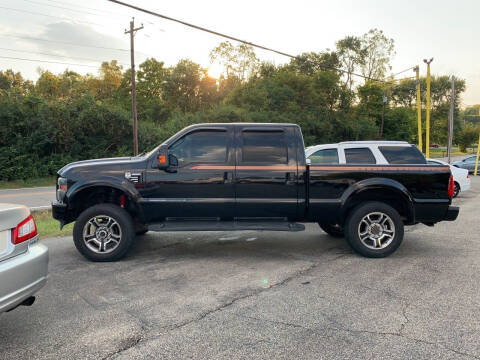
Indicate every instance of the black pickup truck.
{"type": "Point", "coordinates": [242, 176]}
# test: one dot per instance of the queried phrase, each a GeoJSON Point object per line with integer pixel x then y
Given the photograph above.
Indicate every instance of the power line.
{"type": "Point", "coordinates": [240, 40]}
{"type": "Point", "coordinates": [51, 16]}
{"type": "Point", "coordinates": [64, 42]}
{"type": "Point", "coordinates": [63, 7]}
{"type": "Point", "coordinates": [46, 61]}
{"type": "Point", "coordinates": [55, 55]}
{"type": "Point", "coordinates": [401, 72]}
{"type": "Point", "coordinates": [110, 13]}
{"type": "Point", "coordinates": [404, 78]}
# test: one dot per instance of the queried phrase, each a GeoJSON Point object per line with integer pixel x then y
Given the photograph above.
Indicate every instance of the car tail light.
{"type": "Point", "coordinates": [451, 187]}
{"type": "Point", "coordinates": [468, 176]}
{"type": "Point", "coordinates": [27, 229]}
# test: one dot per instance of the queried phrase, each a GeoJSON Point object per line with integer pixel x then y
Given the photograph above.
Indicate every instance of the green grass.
{"type": "Point", "coordinates": [15, 184]}
{"type": "Point", "coordinates": [47, 226]}
{"type": "Point", "coordinates": [442, 154]}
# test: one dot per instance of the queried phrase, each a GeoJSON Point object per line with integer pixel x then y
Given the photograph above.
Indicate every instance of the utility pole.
{"type": "Point", "coordinates": [132, 32]}
{"type": "Point", "coordinates": [427, 121]}
{"type": "Point", "coordinates": [384, 99]}
{"type": "Point", "coordinates": [419, 108]}
{"type": "Point", "coordinates": [450, 119]}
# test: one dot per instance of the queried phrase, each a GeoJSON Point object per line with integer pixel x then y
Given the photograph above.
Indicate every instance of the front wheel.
{"type": "Point", "coordinates": [374, 229]}
{"type": "Point", "coordinates": [104, 232]}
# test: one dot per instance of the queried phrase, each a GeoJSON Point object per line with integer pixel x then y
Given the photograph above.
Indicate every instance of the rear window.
{"type": "Point", "coordinates": [359, 156]}
{"type": "Point", "coordinates": [264, 147]}
{"type": "Point", "coordinates": [402, 155]}
{"type": "Point", "coordinates": [325, 156]}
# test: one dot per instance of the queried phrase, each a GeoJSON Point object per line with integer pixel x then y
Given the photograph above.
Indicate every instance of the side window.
{"type": "Point", "coordinates": [402, 154]}
{"type": "Point", "coordinates": [325, 156]}
{"type": "Point", "coordinates": [204, 146]}
{"type": "Point", "coordinates": [359, 156]}
{"type": "Point", "coordinates": [264, 147]}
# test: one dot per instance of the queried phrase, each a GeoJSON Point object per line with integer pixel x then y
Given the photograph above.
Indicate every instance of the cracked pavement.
{"type": "Point", "coordinates": [260, 295]}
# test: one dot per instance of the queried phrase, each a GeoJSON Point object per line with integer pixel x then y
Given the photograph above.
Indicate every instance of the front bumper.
{"type": "Point", "coordinates": [59, 211]}
{"type": "Point", "coordinates": [452, 213]}
{"type": "Point", "coordinates": [22, 276]}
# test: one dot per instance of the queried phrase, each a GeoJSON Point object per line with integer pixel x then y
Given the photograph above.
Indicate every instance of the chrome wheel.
{"type": "Point", "coordinates": [376, 230]}
{"type": "Point", "coordinates": [102, 234]}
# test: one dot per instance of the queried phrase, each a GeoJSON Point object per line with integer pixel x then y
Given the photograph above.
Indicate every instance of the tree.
{"type": "Point", "coordinates": [47, 85]}
{"type": "Point", "coordinates": [10, 79]}
{"type": "Point", "coordinates": [151, 78]}
{"type": "Point", "coordinates": [377, 51]}
{"type": "Point", "coordinates": [110, 79]}
{"type": "Point", "coordinates": [467, 136]}
{"type": "Point", "coordinates": [182, 86]}
{"type": "Point", "coordinates": [351, 56]}
{"type": "Point", "coordinates": [239, 60]}
{"type": "Point", "coordinates": [311, 63]}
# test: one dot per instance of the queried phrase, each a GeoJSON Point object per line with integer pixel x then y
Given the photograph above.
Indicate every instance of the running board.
{"type": "Point", "coordinates": [190, 225]}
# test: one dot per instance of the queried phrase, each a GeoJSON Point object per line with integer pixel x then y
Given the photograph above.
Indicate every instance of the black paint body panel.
{"type": "Point", "coordinates": [256, 190]}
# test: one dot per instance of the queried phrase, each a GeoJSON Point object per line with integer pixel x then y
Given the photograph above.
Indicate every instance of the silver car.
{"type": "Point", "coordinates": [467, 163]}
{"type": "Point", "coordinates": [23, 260]}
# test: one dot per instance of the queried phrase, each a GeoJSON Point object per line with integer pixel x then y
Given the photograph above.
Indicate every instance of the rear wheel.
{"type": "Point", "coordinates": [456, 190]}
{"type": "Point", "coordinates": [374, 229]}
{"type": "Point", "coordinates": [104, 232]}
{"type": "Point", "coordinates": [334, 230]}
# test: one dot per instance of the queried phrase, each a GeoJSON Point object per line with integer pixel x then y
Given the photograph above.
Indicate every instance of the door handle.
{"type": "Point", "coordinates": [290, 178]}
{"type": "Point", "coordinates": [226, 178]}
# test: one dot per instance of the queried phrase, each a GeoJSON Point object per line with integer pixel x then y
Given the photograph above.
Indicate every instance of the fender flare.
{"type": "Point", "coordinates": [112, 182]}
{"type": "Point", "coordinates": [374, 184]}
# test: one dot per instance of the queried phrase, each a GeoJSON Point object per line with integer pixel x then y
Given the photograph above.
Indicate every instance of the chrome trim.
{"type": "Point", "coordinates": [435, 201]}
{"type": "Point", "coordinates": [325, 201]}
{"type": "Point", "coordinates": [186, 200]}
{"type": "Point", "coordinates": [219, 200]}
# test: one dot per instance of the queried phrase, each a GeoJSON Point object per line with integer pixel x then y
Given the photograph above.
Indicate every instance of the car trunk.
{"type": "Point", "coordinates": [10, 216]}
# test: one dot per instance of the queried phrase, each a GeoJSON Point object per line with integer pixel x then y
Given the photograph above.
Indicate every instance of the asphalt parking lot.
{"type": "Point", "coordinates": [260, 295]}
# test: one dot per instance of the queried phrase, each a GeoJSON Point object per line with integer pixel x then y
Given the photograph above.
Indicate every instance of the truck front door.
{"type": "Point", "coordinates": [201, 185]}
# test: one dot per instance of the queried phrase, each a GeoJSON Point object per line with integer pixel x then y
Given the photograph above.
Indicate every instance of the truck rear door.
{"type": "Point", "coordinates": [266, 174]}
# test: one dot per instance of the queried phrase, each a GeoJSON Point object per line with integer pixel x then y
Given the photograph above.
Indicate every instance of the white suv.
{"type": "Point", "coordinates": [365, 152]}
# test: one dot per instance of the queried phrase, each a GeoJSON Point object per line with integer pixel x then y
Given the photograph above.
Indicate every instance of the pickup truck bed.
{"type": "Point", "coordinates": [245, 176]}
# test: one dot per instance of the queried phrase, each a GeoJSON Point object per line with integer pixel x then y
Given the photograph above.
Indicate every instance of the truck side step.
{"type": "Point", "coordinates": [207, 225]}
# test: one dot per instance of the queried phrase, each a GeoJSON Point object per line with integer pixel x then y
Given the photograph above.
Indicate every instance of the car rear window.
{"type": "Point", "coordinates": [359, 156]}
{"type": "Point", "coordinates": [324, 156]}
{"type": "Point", "coordinates": [402, 154]}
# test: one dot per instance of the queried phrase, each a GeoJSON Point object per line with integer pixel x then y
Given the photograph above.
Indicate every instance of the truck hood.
{"type": "Point", "coordinates": [96, 162]}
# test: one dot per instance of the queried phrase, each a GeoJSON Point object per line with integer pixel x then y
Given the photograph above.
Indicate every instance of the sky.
{"type": "Point", "coordinates": [444, 30]}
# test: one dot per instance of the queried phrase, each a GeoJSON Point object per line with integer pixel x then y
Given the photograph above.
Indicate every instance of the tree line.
{"type": "Point", "coordinates": [67, 117]}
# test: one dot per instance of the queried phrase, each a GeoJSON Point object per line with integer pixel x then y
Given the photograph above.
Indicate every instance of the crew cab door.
{"type": "Point", "coordinates": [201, 185]}
{"type": "Point", "coordinates": [266, 173]}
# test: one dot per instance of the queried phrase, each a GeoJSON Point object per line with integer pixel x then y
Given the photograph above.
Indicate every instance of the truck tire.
{"type": "Point", "coordinates": [334, 230]}
{"type": "Point", "coordinates": [374, 229]}
{"type": "Point", "coordinates": [104, 232]}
